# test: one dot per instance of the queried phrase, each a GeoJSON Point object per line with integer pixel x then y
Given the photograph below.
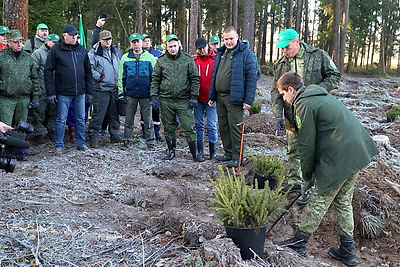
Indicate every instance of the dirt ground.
{"type": "Point", "coordinates": [117, 206]}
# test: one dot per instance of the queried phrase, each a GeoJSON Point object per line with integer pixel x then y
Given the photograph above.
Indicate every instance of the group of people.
{"type": "Point", "coordinates": [327, 145]}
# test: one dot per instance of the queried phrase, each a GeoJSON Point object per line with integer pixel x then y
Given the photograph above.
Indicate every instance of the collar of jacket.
{"type": "Point", "coordinates": [298, 93]}
{"type": "Point", "coordinates": [210, 54]}
{"type": "Point", "coordinates": [238, 48]}
{"type": "Point", "coordinates": [65, 46]}
{"type": "Point", "coordinates": [99, 50]}
{"type": "Point", "coordinates": [132, 55]}
{"type": "Point", "coordinates": [176, 56]}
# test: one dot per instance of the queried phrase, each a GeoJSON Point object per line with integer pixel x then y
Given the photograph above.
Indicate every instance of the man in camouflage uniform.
{"type": "Point", "coordinates": [315, 67]}
{"type": "Point", "coordinates": [46, 113]}
{"type": "Point", "coordinates": [19, 85]}
{"type": "Point", "coordinates": [42, 32]}
{"type": "Point", "coordinates": [176, 81]}
{"type": "Point", "coordinates": [333, 147]}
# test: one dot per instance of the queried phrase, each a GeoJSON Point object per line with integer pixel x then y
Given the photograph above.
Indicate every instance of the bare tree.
{"type": "Point", "coordinates": [193, 27]}
{"type": "Point", "coordinates": [15, 15]}
{"type": "Point", "coordinates": [248, 21]}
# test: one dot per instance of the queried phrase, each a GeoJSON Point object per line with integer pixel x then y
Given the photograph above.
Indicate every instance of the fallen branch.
{"type": "Point", "coordinates": [395, 186]}
{"type": "Point", "coordinates": [74, 202]}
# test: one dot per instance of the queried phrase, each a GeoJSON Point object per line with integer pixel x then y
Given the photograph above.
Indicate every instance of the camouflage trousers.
{"type": "Point", "coordinates": [341, 198]}
{"type": "Point", "coordinates": [294, 171]}
{"type": "Point", "coordinates": [44, 118]}
{"type": "Point", "coordinates": [170, 108]}
{"type": "Point", "coordinates": [13, 109]}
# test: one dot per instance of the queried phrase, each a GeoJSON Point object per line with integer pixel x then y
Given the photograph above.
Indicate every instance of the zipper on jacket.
{"type": "Point", "coordinates": [74, 61]}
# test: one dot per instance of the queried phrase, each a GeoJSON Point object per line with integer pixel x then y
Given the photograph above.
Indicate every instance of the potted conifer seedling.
{"type": "Point", "coordinates": [267, 168]}
{"type": "Point", "coordinates": [245, 211]}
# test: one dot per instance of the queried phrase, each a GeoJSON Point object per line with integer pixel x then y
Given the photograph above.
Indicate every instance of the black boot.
{"type": "Point", "coordinates": [297, 243]}
{"type": "Point", "coordinates": [345, 253]}
{"type": "Point", "coordinates": [196, 156]}
{"type": "Point", "coordinates": [200, 148]}
{"type": "Point", "coordinates": [211, 146]}
{"type": "Point", "coordinates": [171, 149]}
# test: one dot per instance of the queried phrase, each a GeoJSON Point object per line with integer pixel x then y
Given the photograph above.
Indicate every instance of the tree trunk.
{"type": "Point", "coordinates": [336, 31]}
{"type": "Point", "coordinates": [181, 24]}
{"type": "Point", "coordinates": [271, 41]}
{"type": "Point", "coordinates": [234, 14]}
{"type": "Point", "coordinates": [248, 22]}
{"type": "Point", "coordinates": [343, 35]}
{"type": "Point", "coordinates": [15, 15]}
{"type": "Point", "coordinates": [382, 55]}
{"type": "Point", "coordinates": [299, 12]}
{"type": "Point", "coordinates": [264, 34]}
{"type": "Point", "coordinates": [289, 14]}
{"type": "Point", "coordinates": [306, 30]}
{"type": "Point", "coordinates": [139, 16]}
{"type": "Point", "coordinates": [193, 27]}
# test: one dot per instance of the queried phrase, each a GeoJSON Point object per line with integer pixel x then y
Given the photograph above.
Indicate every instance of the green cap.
{"type": "Point", "coordinates": [159, 47]}
{"type": "Point", "coordinates": [145, 36]}
{"type": "Point", "coordinates": [14, 36]}
{"type": "Point", "coordinates": [285, 36]}
{"type": "Point", "coordinates": [135, 36]}
{"type": "Point", "coordinates": [172, 37]}
{"type": "Point", "coordinates": [42, 26]}
{"type": "Point", "coordinates": [214, 39]}
{"type": "Point", "coordinates": [4, 29]}
{"type": "Point", "coordinates": [54, 37]}
{"type": "Point", "coordinates": [246, 41]}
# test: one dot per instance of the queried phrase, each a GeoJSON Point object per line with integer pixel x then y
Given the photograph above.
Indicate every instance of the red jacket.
{"type": "Point", "coordinates": [204, 65]}
{"type": "Point", "coordinates": [3, 46]}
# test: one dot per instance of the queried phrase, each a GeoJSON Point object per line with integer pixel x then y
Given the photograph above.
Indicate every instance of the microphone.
{"type": "Point", "coordinates": [14, 142]}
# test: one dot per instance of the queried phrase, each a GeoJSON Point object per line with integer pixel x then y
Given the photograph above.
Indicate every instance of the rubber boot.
{"type": "Point", "coordinates": [211, 147]}
{"type": "Point", "coordinates": [171, 149]}
{"type": "Point", "coordinates": [297, 243]}
{"type": "Point", "coordinates": [200, 148]}
{"type": "Point", "coordinates": [196, 156]}
{"type": "Point", "coordinates": [345, 253]}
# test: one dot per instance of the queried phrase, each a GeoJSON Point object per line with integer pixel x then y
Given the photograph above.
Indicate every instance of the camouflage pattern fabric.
{"type": "Point", "coordinates": [341, 198]}
{"type": "Point", "coordinates": [293, 173]}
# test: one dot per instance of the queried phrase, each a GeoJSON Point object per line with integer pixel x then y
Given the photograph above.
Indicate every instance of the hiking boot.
{"type": "Point", "coordinates": [297, 243]}
{"type": "Point", "coordinates": [345, 253]}
{"type": "Point", "coordinates": [82, 148]}
{"type": "Point", "coordinates": [233, 163]}
{"type": "Point", "coordinates": [58, 151]}
{"type": "Point", "coordinates": [171, 149]}
{"type": "Point", "coordinates": [304, 199]}
{"type": "Point", "coordinates": [296, 188]}
{"type": "Point", "coordinates": [223, 158]}
{"type": "Point", "coordinates": [94, 144]}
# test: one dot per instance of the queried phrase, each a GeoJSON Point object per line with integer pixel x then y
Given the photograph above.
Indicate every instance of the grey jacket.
{"type": "Point", "coordinates": [40, 56]}
{"type": "Point", "coordinates": [37, 42]}
{"type": "Point", "coordinates": [105, 67]}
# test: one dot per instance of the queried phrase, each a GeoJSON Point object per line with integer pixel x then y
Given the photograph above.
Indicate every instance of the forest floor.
{"type": "Point", "coordinates": [117, 206]}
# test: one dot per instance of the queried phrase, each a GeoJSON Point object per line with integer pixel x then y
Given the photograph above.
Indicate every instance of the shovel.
{"type": "Point", "coordinates": [287, 207]}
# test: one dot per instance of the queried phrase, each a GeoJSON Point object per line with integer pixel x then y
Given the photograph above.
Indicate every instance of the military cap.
{"type": "Point", "coordinates": [14, 36]}
{"type": "Point", "coordinates": [105, 35]}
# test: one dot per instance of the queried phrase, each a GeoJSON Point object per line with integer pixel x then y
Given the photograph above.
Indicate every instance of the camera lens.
{"type": "Point", "coordinates": [24, 127]}
{"type": "Point", "coordinates": [7, 164]}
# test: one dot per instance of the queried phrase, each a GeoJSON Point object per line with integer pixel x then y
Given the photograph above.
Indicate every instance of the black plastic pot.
{"type": "Point", "coordinates": [246, 238]}
{"type": "Point", "coordinates": [261, 179]}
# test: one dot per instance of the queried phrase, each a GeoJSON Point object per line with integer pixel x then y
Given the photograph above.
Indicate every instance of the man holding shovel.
{"type": "Point", "coordinates": [333, 147]}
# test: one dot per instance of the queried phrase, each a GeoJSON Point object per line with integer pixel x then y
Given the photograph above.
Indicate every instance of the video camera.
{"type": "Point", "coordinates": [11, 143]}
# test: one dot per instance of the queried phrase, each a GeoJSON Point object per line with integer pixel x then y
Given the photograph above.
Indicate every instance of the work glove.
{"type": "Point", "coordinates": [192, 103]}
{"type": "Point", "coordinates": [52, 99]}
{"type": "Point", "coordinates": [306, 186]}
{"type": "Point", "coordinates": [280, 124]}
{"type": "Point", "coordinates": [34, 104]}
{"type": "Point", "coordinates": [154, 104]}
{"type": "Point", "coordinates": [89, 98]}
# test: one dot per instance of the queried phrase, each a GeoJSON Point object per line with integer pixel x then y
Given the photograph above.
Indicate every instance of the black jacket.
{"type": "Point", "coordinates": [67, 70]}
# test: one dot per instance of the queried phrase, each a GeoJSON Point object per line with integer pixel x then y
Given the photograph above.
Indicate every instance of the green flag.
{"type": "Point", "coordinates": [82, 40]}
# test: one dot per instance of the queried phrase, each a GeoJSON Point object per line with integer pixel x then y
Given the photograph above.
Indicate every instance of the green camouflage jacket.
{"type": "Point", "coordinates": [175, 77]}
{"type": "Point", "coordinates": [333, 144]}
{"type": "Point", "coordinates": [318, 69]}
{"type": "Point", "coordinates": [18, 77]}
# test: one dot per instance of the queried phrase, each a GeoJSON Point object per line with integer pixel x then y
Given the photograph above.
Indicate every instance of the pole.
{"type": "Point", "coordinates": [241, 146]}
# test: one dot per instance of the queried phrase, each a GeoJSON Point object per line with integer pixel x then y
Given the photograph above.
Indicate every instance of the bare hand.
{"type": "Point", "coordinates": [4, 127]}
{"type": "Point", "coordinates": [210, 103]}
{"type": "Point", "coordinates": [100, 22]}
{"type": "Point", "coordinates": [246, 106]}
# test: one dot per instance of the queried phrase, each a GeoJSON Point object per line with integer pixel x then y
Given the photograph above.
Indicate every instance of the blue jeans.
{"type": "Point", "coordinates": [204, 110]}
{"type": "Point", "coordinates": [62, 112]}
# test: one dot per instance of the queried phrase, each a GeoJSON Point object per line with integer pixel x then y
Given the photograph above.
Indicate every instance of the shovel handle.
{"type": "Point", "coordinates": [287, 207]}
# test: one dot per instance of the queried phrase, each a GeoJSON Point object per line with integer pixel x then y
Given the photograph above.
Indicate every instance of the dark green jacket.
{"type": "Point", "coordinates": [318, 69]}
{"type": "Point", "coordinates": [40, 56]}
{"type": "Point", "coordinates": [175, 77]}
{"type": "Point", "coordinates": [18, 77]}
{"type": "Point", "coordinates": [332, 142]}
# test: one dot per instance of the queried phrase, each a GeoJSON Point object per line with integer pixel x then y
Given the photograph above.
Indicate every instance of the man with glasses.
{"type": "Point", "coordinates": [105, 59]}
{"type": "Point", "coordinates": [204, 61]}
{"type": "Point", "coordinates": [314, 67]}
{"type": "Point", "coordinates": [68, 77]}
